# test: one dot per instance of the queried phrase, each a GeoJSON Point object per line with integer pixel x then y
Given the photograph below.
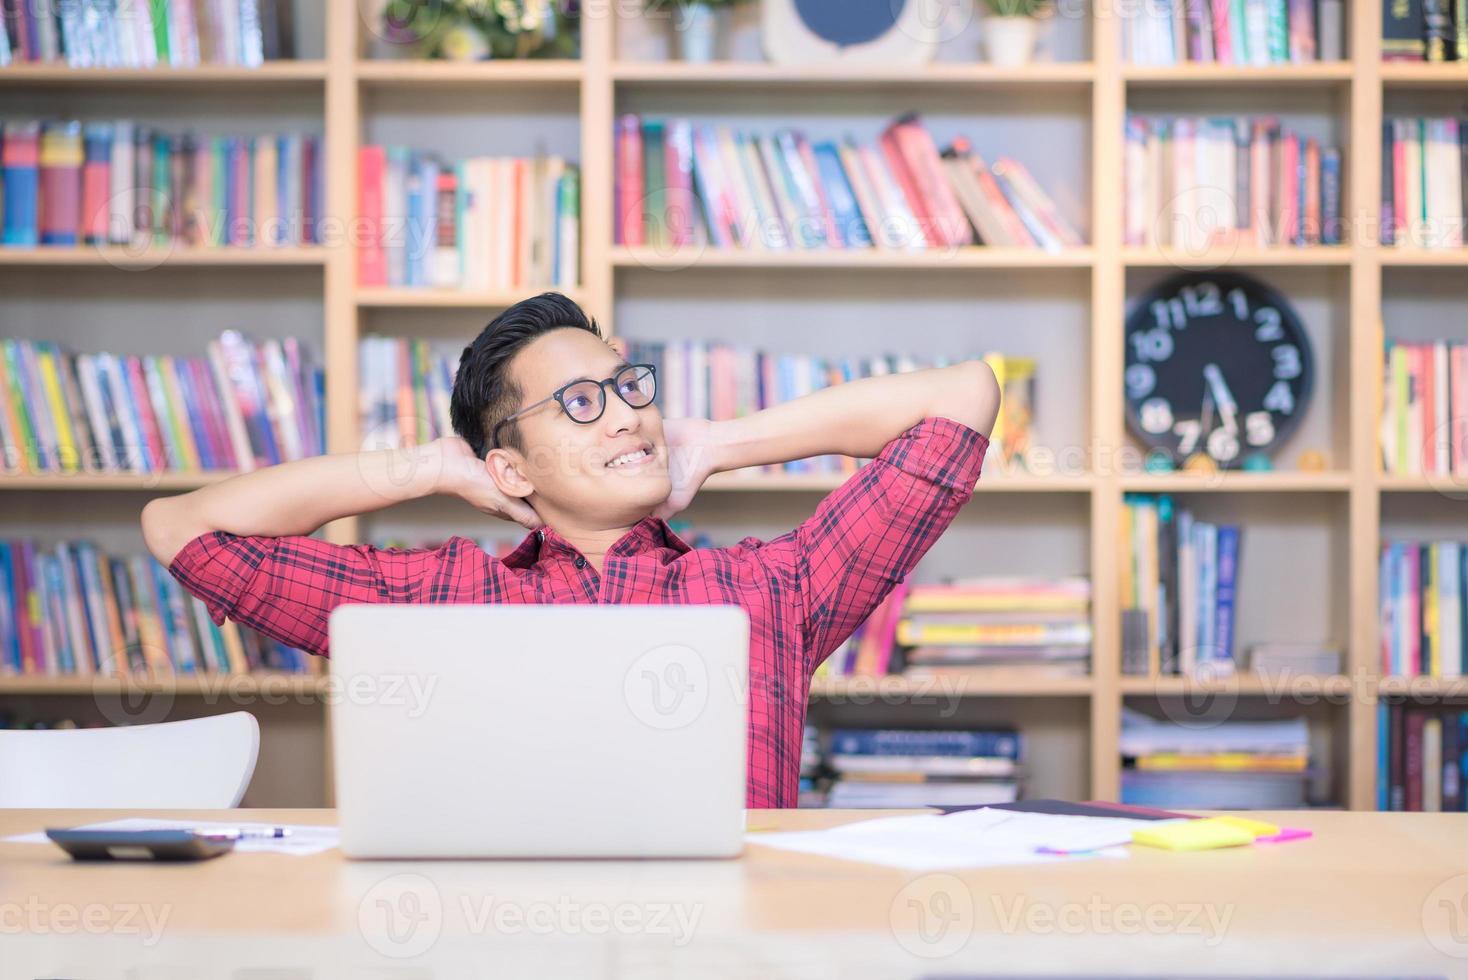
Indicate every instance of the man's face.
{"type": "Point", "coordinates": [571, 464]}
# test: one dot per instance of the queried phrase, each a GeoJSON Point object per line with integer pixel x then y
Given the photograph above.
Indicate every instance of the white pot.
{"type": "Point", "coordinates": [696, 26]}
{"type": "Point", "coordinates": [1010, 41]}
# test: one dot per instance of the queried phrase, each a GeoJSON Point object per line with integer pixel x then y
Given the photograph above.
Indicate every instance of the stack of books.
{"type": "Point", "coordinates": [244, 405]}
{"type": "Point", "coordinates": [993, 628]}
{"type": "Point", "coordinates": [1231, 765]}
{"type": "Point", "coordinates": [893, 768]}
{"type": "Point", "coordinates": [1424, 409]}
{"type": "Point", "coordinates": [71, 609]}
{"type": "Point", "coordinates": [1424, 163]}
{"type": "Point", "coordinates": [1196, 182]}
{"type": "Point", "coordinates": [487, 223]}
{"type": "Point", "coordinates": [147, 33]}
{"type": "Point", "coordinates": [1424, 608]}
{"type": "Point", "coordinates": [403, 390]}
{"type": "Point", "coordinates": [1422, 757]}
{"type": "Point", "coordinates": [868, 652]}
{"type": "Point", "coordinates": [1179, 582]}
{"type": "Point", "coordinates": [1235, 32]}
{"type": "Point", "coordinates": [1424, 30]}
{"type": "Point", "coordinates": [702, 379]}
{"type": "Point", "coordinates": [123, 183]}
{"type": "Point", "coordinates": [681, 184]}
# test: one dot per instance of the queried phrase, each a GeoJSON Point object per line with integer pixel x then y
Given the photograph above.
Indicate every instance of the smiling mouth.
{"type": "Point", "coordinates": [627, 459]}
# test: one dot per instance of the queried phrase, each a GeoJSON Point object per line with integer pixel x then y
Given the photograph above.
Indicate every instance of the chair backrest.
{"type": "Point", "coordinates": [203, 763]}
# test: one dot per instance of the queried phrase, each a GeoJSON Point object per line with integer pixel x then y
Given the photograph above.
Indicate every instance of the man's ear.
{"type": "Point", "coordinates": [506, 470]}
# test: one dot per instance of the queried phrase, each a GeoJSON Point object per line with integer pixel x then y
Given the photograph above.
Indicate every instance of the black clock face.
{"type": "Point", "coordinates": [1216, 364]}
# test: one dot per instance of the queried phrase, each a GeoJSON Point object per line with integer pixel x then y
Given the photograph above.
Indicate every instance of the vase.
{"type": "Point", "coordinates": [697, 28]}
{"type": "Point", "coordinates": [1010, 41]}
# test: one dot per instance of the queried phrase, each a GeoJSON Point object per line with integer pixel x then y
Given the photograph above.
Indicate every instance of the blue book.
{"type": "Point", "coordinates": [1303, 236]}
{"type": "Point", "coordinates": [991, 743]}
{"type": "Point", "coordinates": [21, 183]}
{"type": "Point", "coordinates": [1330, 196]}
{"type": "Point", "coordinates": [1228, 564]}
{"type": "Point", "coordinates": [1207, 552]}
{"type": "Point", "coordinates": [849, 222]}
{"type": "Point", "coordinates": [9, 605]}
{"type": "Point", "coordinates": [1462, 760]}
{"type": "Point", "coordinates": [54, 610]}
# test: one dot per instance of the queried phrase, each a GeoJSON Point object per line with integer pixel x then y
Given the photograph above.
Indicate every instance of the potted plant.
{"type": "Point", "coordinates": [1011, 30]}
{"type": "Point", "coordinates": [474, 30]}
{"type": "Point", "coordinates": [695, 25]}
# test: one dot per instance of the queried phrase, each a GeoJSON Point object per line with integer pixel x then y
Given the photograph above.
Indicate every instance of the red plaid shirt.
{"type": "Point", "coordinates": [805, 591]}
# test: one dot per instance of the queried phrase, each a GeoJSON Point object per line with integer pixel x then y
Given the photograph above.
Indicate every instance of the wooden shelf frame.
{"type": "Point", "coordinates": [346, 79]}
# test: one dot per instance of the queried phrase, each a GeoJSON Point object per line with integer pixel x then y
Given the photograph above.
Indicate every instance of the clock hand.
{"type": "Point", "coordinates": [1227, 407]}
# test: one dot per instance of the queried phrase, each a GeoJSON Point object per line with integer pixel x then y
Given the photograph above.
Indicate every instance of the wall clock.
{"type": "Point", "coordinates": [865, 32]}
{"type": "Point", "coordinates": [1216, 363]}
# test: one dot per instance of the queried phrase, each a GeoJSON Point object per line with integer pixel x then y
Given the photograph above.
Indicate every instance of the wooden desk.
{"type": "Point", "coordinates": [1371, 894]}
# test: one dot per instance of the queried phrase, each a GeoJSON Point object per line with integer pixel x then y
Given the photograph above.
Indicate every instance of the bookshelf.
{"type": "Point", "coordinates": [1060, 522]}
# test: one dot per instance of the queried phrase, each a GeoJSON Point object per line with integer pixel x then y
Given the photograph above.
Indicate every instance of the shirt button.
{"type": "Point", "coordinates": [580, 562]}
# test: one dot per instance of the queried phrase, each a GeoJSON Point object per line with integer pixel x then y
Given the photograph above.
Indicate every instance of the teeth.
{"type": "Point", "coordinates": [627, 458]}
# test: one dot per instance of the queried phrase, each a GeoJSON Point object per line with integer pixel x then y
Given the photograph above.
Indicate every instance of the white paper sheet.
{"type": "Point", "coordinates": [304, 839]}
{"type": "Point", "coordinates": [970, 839]}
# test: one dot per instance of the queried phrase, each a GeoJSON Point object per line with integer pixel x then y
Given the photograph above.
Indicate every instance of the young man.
{"type": "Point", "coordinates": [594, 473]}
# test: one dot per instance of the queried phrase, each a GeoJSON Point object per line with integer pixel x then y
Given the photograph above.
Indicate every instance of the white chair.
{"type": "Point", "coordinates": [201, 764]}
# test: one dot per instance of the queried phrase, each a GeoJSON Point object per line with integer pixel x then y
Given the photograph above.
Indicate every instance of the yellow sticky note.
{"type": "Point", "coordinates": [1193, 835]}
{"type": "Point", "coordinates": [1256, 827]}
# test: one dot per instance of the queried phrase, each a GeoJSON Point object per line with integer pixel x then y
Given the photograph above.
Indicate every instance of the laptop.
{"type": "Point", "coordinates": [480, 731]}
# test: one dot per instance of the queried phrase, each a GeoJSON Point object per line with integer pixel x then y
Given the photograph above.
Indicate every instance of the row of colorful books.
{"type": "Point", "coordinates": [245, 404]}
{"type": "Point", "coordinates": [1235, 32]}
{"type": "Point", "coordinates": [889, 768]}
{"type": "Point", "coordinates": [1179, 583]}
{"type": "Point", "coordinates": [1421, 757]}
{"type": "Point", "coordinates": [148, 33]}
{"type": "Point", "coordinates": [683, 184]}
{"type": "Point", "coordinates": [483, 223]}
{"type": "Point", "coordinates": [1424, 409]}
{"type": "Point", "coordinates": [403, 390]}
{"type": "Point", "coordinates": [72, 609]}
{"type": "Point", "coordinates": [1424, 30]}
{"type": "Point", "coordinates": [996, 627]}
{"type": "Point", "coordinates": [63, 183]}
{"type": "Point", "coordinates": [1424, 608]}
{"type": "Point", "coordinates": [1215, 763]}
{"type": "Point", "coordinates": [1424, 165]}
{"type": "Point", "coordinates": [703, 379]}
{"type": "Point", "coordinates": [1193, 182]}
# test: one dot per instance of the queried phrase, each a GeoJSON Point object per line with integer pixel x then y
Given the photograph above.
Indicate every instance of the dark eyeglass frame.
{"type": "Point", "coordinates": [559, 397]}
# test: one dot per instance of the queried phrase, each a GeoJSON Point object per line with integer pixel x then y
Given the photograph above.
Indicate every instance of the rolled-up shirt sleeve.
{"type": "Point", "coordinates": [287, 587]}
{"type": "Point", "coordinates": [867, 535]}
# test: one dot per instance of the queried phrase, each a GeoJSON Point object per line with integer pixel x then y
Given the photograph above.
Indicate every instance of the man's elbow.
{"type": "Point", "coordinates": [163, 532]}
{"type": "Point", "coordinates": [976, 402]}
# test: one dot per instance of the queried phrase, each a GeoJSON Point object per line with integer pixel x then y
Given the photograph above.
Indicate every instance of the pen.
{"type": "Point", "coordinates": [236, 833]}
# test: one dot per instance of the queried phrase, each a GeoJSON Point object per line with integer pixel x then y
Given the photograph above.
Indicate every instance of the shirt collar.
{"type": "Point", "coordinates": [646, 536]}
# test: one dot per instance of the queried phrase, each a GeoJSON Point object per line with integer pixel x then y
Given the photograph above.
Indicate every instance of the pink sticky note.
{"type": "Point", "coordinates": [1285, 834]}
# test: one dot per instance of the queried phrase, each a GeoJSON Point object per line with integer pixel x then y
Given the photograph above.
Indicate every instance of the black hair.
{"type": "Point", "coordinates": [484, 390]}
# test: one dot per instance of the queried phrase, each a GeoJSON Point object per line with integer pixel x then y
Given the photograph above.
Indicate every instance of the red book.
{"type": "Point", "coordinates": [682, 206]}
{"type": "Point", "coordinates": [1458, 371]}
{"type": "Point", "coordinates": [519, 231]}
{"type": "Point", "coordinates": [926, 165]}
{"type": "Point", "coordinates": [1430, 421]}
{"type": "Point", "coordinates": [1399, 179]}
{"type": "Point", "coordinates": [239, 205]}
{"type": "Point", "coordinates": [630, 178]}
{"type": "Point", "coordinates": [27, 627]}
{"type": "Point", "coordinates": [96, 181]}
{"type": "Point", "coordinates": [1412, 758]}
{"type": "Point", "coordinates": [1311, 225]}
{"type": "Point", "coordinates": [152, 436]}
{"type": "Point", "coordinates": [1223, 52]}
{"type": "Point", "coordinates": [371, 257]}
{"type": "Point", "coordinates": [897, 164]}
{"type": "Point", "coordinates": [1289, 211]}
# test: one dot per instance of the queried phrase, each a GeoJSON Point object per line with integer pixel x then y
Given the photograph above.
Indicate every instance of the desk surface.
{"type": "Point", "coordinates": [1370, 894]}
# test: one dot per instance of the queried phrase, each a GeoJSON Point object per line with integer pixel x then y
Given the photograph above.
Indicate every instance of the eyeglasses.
{"type": "Point", "coordinates": [585, 401]}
